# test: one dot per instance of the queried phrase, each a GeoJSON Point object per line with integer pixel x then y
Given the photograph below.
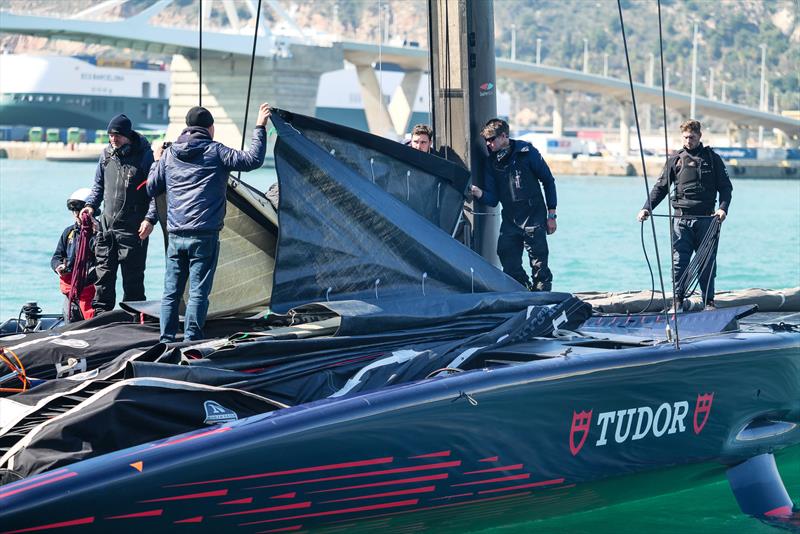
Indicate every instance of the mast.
{"type": "Point", "coordinates": [463, 95]}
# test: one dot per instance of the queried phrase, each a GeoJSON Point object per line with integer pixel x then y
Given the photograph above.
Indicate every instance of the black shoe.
{"type": "Point", "coordinates": [710, 305]}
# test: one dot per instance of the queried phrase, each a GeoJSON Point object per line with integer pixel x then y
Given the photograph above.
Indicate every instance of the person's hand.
{"type": "Point", "coordinates": [551, 226]}
{"type": "Point", "coordinates": [60, 269]}
{"type": "Point", "coordinates": [643, 215]}
{"type": "Point", "coordinates": [476, 191]}
{"type": "Point", "coordinates": [145, 229]}
{"type": "Point", "coordinates": [158, 150]}
{"type": "Point", "coordinates": [720, 214]}
{"type": "Point", "coordinates": [88, 210]}
{"type": "Point", "coordinates": [263, 114]}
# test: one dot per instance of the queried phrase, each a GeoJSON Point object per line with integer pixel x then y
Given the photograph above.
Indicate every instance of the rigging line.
{"type": "Point", "coordinates": [431, 74]}
{"type": "Point", "coordinates": [200, 59]}
{"type": "Point", "coordinates": [380, 56]}
{"type": "Point", "coordinates": [641, 155]}
{"type": "Point", "coordinates": [448, 116]}
{"type": "Point", "coordinates": [666, 162]}
{"type": "Point", "coordinates": [250, 79]}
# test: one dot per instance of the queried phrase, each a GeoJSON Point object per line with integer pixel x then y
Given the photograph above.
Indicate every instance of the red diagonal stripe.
{"type": "Point", "coordinates": [425, 489]}
{"type": "Point", "coordinates": [431, 455]}
{"type": "Point", "coordinates": [452, 496]}
{"type": "Point", "coordinates": [148, 513]}
{"type": "Point", "coordinates": [501, 468]}
{"type": "Point", "coordinates": [491, 459]}
{"type": "Point", "coordinates": [409, 502]}
{"type": "Point", "coordinates": [293, 506]}
{"type": "Point", "coordinates": [62, 524]}
{"type": "Point", "coordinates": [438, 476]}
{"type": "Point", "coordinates": [246, 500]}
{"type": "Point", "coordinates": [198, 519]}
{"type": "Point", "coordinates": [492, 480]}
{"type": "Point", "coordinates": [522, 486]}
{"type": "Point", "coordinates": [195, 436]}
{"type": "Point", "coordinates": [284, 529]}
{"type": "Point", "coordinates": [39, 478]}
{"type": "Point", "coordinates": [215, 493]}
{"type": "Point", "coordinates": [290, 495]}
{"type": "Point", "coordinates": [344, 465]}
{"type": "Point", "coordinates": [36, 485]}
{"type": "Point", "coordinates": [440, 465]}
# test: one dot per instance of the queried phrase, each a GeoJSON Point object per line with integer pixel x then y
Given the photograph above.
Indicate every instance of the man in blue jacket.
{"type": "Point", "coordinates": [194, 173]}
{"type": "Point", "coordinates": [513, 176]}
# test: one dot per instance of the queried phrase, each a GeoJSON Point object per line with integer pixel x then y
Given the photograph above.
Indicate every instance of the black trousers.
{"type": "Point", "coordinates": [534, 240]}
{"type": "Point", "coordinates": [113, 249]}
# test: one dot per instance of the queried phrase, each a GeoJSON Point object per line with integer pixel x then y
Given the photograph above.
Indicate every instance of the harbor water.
{"type": "Point", "coordinates": [597, 247]}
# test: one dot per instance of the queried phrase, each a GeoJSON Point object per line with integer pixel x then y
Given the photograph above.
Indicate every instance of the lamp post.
{"type": "Point", "coordinates": [513, 42]}
{"type": "Point", "coordinates": [762, 97]}
{"type": "Point", "coordinates": [694, 72]}
{"type": "Point", "coordinates": [538, 51]}
{"type": "Point", "coordinates": [586, 56]}
{"type": "Point", "coordinates": [605, 65]}
{"type": "Point", "coordinates": [711, 82]}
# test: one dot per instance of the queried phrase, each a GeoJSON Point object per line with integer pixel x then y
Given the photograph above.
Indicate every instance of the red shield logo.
{"type": "Point", "coordinates": [581, 421]}
{"type": "Point", "coordinates": [702, 407]}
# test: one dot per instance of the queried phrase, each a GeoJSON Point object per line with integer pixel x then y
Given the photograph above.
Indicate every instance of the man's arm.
{"type": "Point", "coordinates": [724, 186]}
{"type": "Point", "coordinates": [253, 158]}
{"type": "Point", "coordinates": [659, 191]}
{"type": "Point", "coordinates": [96, 196]}
{"type": "Point", "coordinates": [487, 195]}
{"type": "Point", "coordinates": [156, 180]}
{"type": "Point", "coordinates": [542, 173]}
{"type": "Point", "coordinates": [144, 174]}
{"type": "Point", "coordinates": [57, 261]}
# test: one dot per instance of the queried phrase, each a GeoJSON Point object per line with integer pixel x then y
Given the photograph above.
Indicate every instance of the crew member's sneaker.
{"type": "Point", "coordinates": [710, 305]}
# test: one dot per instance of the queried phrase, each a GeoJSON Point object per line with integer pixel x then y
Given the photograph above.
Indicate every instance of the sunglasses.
{"type": "Point", "coordinates": [490, 139]}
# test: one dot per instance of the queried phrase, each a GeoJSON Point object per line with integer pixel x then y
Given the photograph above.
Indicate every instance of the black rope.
{"type": "Point", "coordinates": [432, 75]}
{"type": "Point", "coordinates": [700, 263]}
{"type": "Point", "coordinates": [666, 162]}
{"type": "Point", "coordinates": [641, 151]}
{"type": "Point", "coordinates": [250, 79]}
{"type": "Point", "coordinates": [200, 59]}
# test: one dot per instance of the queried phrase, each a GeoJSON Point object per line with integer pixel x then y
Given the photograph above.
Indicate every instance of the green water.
{"type": "Point", "coordinates": [597, 247]}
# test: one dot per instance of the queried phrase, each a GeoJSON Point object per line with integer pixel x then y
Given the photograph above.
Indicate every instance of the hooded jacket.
{"type": "Point", "coordinates": [119, 184]}
{"type": "Point", "coordinates": [194, 173]}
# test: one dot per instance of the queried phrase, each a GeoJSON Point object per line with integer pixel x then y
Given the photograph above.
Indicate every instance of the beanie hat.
{"type": "Point", "coordinates": [199, 116]}
{"type": "Point", "coordinates": [120, 125]}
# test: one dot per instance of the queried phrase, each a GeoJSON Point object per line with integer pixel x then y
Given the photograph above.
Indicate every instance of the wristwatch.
{"type": "Point", "coordinates": [551, 215]}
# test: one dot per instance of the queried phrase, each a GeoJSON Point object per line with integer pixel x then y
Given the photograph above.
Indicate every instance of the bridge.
{"type": "Point", "coordinates": [288, 68]}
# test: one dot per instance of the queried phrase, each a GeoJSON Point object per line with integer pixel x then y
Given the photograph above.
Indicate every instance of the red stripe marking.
{"type": "Point", "coordinates": [490, 459]}
{"type": "Point", "coordinates": [425, 489]}
{"type": "Point", "coordinates": [409, 502]}
{"type": "Point", "coordinates": [290, 495]}
{"type": "Point", "coordinates": [345, 465]}
{"type": "Point", "coordinates": [216, 493]}
{"type": "Point", "coordinates": [198, 519]}
{"type": "Point", "coordinates": [246, 500]}
{"type": "Point", "coordinates": [71, 523]}
{"type": "Point", "coordinates": [196, 436]}
{"type": "Point", "coordinates": [37, 478]}
{"type": "Point", "coordinates": [501, 468]}
{"type": "Point", "coordinates": [522, 486]}
{"type": "Point", "coordinates": [438, 476]}
{"type": "Point", "coordinates": [781, 511]}
{"type": "Point", "coordinates": [498, 479]}
{"type": "Point", "coordinates": [454, 463]}
{"type": "Point", "coordinates": [431, 455]}
{"type": "Point", "coordinates": [37, 484]}
{"type": "Point", "coordinates": [462, 503]}
{"type": "Point", "coordinates": [149, 513]}
{"type": "Point", "coordinates": [293, 506]}
{"type": "Point", "coordinates": [452, 496]}
{"type": "Point", "coordinates": [141, 185]}
{"type": "Point", "coordinates": [284, 529]}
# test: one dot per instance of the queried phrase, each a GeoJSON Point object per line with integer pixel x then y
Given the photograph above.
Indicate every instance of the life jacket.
{"type": "Point", "coordinates": [518, 188]}
{"type": "Point", "coordinates": [695, 188]}
{"type": "Point", "coordinates": [125, 199]}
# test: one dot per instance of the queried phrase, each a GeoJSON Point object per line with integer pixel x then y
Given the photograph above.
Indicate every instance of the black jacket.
{"type": "Point", "coordinates": [67, 247]}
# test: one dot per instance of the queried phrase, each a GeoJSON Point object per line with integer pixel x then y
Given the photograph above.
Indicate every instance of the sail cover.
{"type": "Point", "coordinates": [343, 236]}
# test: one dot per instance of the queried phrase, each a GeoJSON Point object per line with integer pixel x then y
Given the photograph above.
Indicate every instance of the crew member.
{"type": "Point", "coordinates": [421, 138]}
{"type": "Point", "coordinates": [128, 214]}
{"type": "Point", "coordinates": [194, 173]}
{"type": "Point", "coordinates": [698, 176]}
{"type": "Point", "coordinates": [63, 260]}
{"type": "Point", "coordinates": [515, 175]}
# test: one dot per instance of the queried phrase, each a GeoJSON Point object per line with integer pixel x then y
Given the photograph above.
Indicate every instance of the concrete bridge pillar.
{"type": "Point", "coordinates": [558, 113]}
{"type": "Point", "coordinates": [742, 133]}
{"type": "Point", "coordinates": [624, 128]}
{"type": "Point", "coordinates": [288, 81]}
{"type": "Point", "coordinates": [402, 104]}
{"type": "Point", "coordinates": [378, 119]}
{"type": "Point", "coordinates": [788, 139]}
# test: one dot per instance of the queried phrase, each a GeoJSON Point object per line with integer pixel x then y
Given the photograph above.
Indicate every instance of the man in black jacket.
{"type": "Point", "coordinates": [128, 214]}
{"type": "Point", "coordinates": [698, 175]}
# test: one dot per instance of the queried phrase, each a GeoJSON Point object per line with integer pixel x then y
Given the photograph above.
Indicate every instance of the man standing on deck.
{"type": "Point", "coordinates": [698, 175]}
{"type": "Point", "coordinates": [128, 214]}
{"type": "Point", "coordinates": [421, 138]}
{"type": "Point", "coordinates": [515, 175]}
{"type": "Point", "coordinates": [194, 173]}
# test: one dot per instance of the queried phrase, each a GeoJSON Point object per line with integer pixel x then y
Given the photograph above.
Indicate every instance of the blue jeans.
{"type": "Point", "coordinates": [191, 257]}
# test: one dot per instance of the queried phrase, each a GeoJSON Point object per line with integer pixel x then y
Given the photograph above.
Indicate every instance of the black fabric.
{"type": "Point", "coordinates": [112, 250]}
{"type": "Point", "coordinates": [125, 199]}
{"type": "Point", "coordinates": [121, 125]}
{"type": "Point", "coordinates": [428, 184]}
{"type": "Point", "coordinates": [199, 116]}
{"type": "Point", "coordinates": [343, 237]}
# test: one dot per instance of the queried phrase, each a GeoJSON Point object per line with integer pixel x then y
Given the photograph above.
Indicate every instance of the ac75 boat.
{"type": "Point", "coordinates": [399, 381]}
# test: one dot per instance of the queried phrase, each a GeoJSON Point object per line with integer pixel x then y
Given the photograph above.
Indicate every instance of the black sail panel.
{"type": "Point", "coordinates": [341, 236]}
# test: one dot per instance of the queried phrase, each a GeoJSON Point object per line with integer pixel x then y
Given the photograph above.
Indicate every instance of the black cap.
{"type": "Point", "coordinates": [120, 125]}
{"type": "Point", "coordinates": [199, 116]}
